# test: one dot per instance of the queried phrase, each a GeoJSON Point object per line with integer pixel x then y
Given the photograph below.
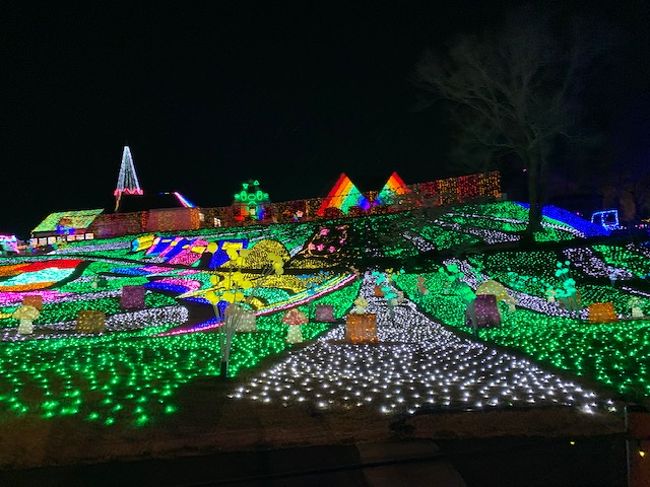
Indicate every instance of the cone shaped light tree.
{"type": "Point", "coordinates": [127, 181]}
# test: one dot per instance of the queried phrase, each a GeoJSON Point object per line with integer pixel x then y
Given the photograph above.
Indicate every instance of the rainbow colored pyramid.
{"type": "Point", "coordinates": [394, 186]}
{"type": "Point", "coordinates": [343, 195]}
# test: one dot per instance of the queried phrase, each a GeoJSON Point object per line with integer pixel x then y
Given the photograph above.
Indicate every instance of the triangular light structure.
{"type": "Point", "coordinates": [343, 195]}
{"type": "Point", "coordinates": [127, 181]}
{"type": "Point", "coordinates": [395, 186]}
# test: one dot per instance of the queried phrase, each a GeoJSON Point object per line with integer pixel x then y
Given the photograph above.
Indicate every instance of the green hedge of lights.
{"type": "Point", "coordinates": [131, 377]}
{"type": "Point", "coordinates": [616, 355]}
{"type": "Point", "coordinates": [626, 258]}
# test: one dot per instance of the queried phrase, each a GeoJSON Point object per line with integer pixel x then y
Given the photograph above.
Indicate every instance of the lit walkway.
{"type": "Point", "coordinates": [417, 364]}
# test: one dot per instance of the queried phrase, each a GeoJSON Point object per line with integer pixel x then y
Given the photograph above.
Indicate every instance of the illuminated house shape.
{"type": "Point", "coordinates": [343, 195]}
{"type": "Point", "coordinates": [395, 186]}
{"type": "Point", "coordinates": [250, 202]}
{"type": "Point", "coordinates": [66, 223]}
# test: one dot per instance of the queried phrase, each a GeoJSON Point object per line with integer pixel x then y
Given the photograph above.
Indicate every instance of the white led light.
{"type": "Point", "coordinates": [416, 360]}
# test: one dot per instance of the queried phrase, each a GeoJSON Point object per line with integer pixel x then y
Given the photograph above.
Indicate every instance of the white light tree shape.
{"type": "Point", "coordinates": [127, 181]}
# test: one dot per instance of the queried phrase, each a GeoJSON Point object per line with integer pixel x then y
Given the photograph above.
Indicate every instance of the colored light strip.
{"type": "Point", "coordinates": [183, 200]}
{"type": "Point", "coordinates": [292, 303]}
{"type": "Point", "coordinates": [343, 195]}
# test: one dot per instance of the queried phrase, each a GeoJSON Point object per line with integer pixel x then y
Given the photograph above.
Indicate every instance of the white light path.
{"type": "Point", "coordinates": [418, 364]}
{"type": "Point", "coordinates": [134, 320]}
{"type": "Point", "coordinates": [420, 243]}
{"type": "Point", "coordinates": [588, 262]}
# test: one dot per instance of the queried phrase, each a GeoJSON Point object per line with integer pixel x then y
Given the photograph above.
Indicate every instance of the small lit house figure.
{"type": "Point", "coordinates": [251, 202]}
{"type": "Point", "coordinates": [26, 314]}
{"type": "Point", "coordinates": [294, 318]}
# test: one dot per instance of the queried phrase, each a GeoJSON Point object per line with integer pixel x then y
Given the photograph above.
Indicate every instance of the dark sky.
{"type": "Point", "coordinates": [208, 95]}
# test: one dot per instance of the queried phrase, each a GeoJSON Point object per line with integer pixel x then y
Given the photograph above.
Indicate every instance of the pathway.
{"type": "Point", "coordinates": [417, 364]}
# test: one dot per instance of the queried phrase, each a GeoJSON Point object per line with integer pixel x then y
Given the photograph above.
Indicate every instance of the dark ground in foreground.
{"type": "Point", "coordinates": [509, 461]}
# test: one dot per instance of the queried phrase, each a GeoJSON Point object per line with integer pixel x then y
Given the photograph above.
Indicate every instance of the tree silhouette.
{"type": "Point", "coordinates": [512, 92]}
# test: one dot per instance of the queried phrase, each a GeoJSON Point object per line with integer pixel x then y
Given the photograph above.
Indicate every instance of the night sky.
{"type": "Point", "coordinates": [292, 95]}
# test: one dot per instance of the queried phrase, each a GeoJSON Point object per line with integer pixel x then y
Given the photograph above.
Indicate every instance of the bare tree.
{"type": "Point", "coordinates": [512, 92]}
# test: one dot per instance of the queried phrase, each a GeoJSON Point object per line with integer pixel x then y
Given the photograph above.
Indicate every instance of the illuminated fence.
{"type": "Point", "coordinates": [442, 192]}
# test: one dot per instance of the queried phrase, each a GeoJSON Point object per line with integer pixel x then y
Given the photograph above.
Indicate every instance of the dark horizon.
{"type": "Point", "coordinates": [292, 96]}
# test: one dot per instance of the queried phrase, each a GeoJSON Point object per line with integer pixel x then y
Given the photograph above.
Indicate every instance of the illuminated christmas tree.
{"type": "Point", "coordinates": [127, 181]}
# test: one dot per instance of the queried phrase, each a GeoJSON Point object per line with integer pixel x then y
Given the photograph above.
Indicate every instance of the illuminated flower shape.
{"type": "Point", "coordinates": [238, 279]}
{"type": "Point", "coordinates": [232, 296]}
{"type": "Point", "coordinates": [212, 297]}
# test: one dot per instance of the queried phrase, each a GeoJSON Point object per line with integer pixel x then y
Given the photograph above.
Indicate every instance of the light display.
{"type": "Point", "coordinates": [130, 372]}
{"type": "Point", "coordinates": [325, 313]}
{"type": "Point", "coordinates": [361, 328]}
{"type": "Point", "coordinates": [484, 312]}
{"type": "Point", "coordinates": [626, 261]}
{"type": "Point", "coordinates": [183, 200]}
{"type": "Point", "coordinates": [90, 321]}
{"type": "Point", "coordinates": [393, 188]}
{"type": "Point", "coordinates": [34, 300]}
{"type": "Point", "coordinates": [79, 220]}
{"type": "Point", "coordinates": [608, 219]}
{"type": "Point", "coordinates": [127, 181]}
{"type": "Point", "coordinates": [294, 318]}
{"type": "Point", "coordinates": [8, 243]}
{"type": "Point", "coordinates": [36, 275]}
{"type": "Point", "coordinates": [635, 306]}
{"type": "Point", "coordinates": [418, 364]}
{"type": "Point", "coordinates": [26, 314]}
{"type": "Point", "coordinates": [130, 378]}
{"type": "Point", "coordinates": [343, 195]}
{"type": "Point", "coordinates": [602, 312]}
{"type": "Point", "coordinates": [498, 290]}
{"type": "Point", "coordinates": [132, 297]}
{"type": "Point", "coordinates": [251, 201]}
{"type": "Point", "coordinates": [612, 354]}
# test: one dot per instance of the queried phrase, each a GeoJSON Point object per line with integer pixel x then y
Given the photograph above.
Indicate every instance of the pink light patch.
{"type": "Point", "coordinates": [189, 284]}
{"type": "Point", "coordinates": [9, 298]}
{"type": "Point", "coordinates": [154, 269]}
